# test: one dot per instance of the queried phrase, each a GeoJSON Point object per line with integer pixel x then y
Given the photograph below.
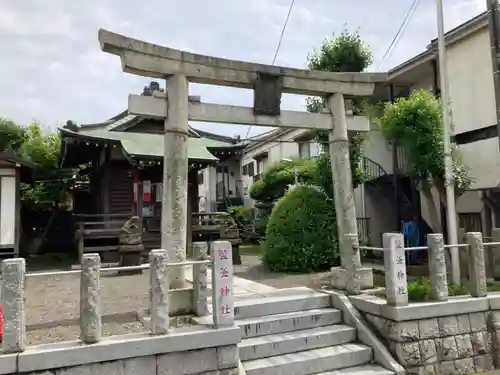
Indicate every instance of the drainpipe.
{"type": "Point", "coordinates": [494, 31]}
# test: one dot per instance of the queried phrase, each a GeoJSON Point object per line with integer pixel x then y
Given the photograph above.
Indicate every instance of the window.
{"type": "Point", "coordinates": [200, 178]}
{"type": "Point", "coordinates": [309, 149]}
{"type": "Point", "coordinates": [314, 149]}
{"type": "Point", "coordinates": [304, 151]}
{"type": "Point", "coordinates": [251, 169]}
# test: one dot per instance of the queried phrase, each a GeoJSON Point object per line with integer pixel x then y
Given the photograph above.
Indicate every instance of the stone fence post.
{"type": "Point", "coordinates": [477, 266]}
{"type": "Point", "coordinates": [90, 299]}
{"type": "Point", "coordinates": [353, 282]}
{"type": "Point", "coordinates": [495, 252]}
{"type": "Point", "coordinates": [395, 269]}
{"type": "Point", "coordinates": [437, 267]}
{"type": "Point", "coordinates": [159, 301]}
{"type": "Point", "coordinates": [222, 283]}
{"type": "Point", "coordinates": [200, 278]}
{"type": "Point", "coordinates": [14, 314]}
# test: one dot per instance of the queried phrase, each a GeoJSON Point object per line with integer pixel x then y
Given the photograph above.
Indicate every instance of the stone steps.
{"type": "Point", "coordinates": [311, 361]}
{"type": "Point", "coordinates": [360, 370]}
{"type": "Point", "coordinates": [298, 332]}
{"type": "Point", "coordinates": [287, 322]}
{"type": "Point", "coordinates": [291, 342]}
{"type": "Point", "coordinates": [281, 302]}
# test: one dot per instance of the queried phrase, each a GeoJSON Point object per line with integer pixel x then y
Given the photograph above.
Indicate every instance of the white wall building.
{"type": "Point", "coordinates": [388, 198]}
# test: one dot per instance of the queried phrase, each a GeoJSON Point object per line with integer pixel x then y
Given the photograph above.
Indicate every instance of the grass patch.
{"type": "Point", "coordinates": [419, 288]}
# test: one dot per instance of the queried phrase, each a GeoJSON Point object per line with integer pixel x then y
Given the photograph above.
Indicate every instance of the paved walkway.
{"type": "Point", "coordinates": [242, 288]}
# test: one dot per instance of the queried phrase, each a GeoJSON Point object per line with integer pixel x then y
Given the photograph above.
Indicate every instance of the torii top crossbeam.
{"type": "Point", "coordinates": [151, 60]}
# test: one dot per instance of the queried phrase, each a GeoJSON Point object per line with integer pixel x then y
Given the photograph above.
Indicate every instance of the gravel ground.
{"type": "Point", "coordinates": [52, 302]}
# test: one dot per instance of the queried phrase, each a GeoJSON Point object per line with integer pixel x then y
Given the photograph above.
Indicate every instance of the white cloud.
{"type": "Point", "coordinates": [52, 68]}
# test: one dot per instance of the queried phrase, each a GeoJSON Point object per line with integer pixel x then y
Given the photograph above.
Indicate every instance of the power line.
{"type": "Point", "coordinates": [399, 33]}
{"type": "Point", "coordinates": [283, 31]}
{"type": "Point", "coordinates": [277, 47]}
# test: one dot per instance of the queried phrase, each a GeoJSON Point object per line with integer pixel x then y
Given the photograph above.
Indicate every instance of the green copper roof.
{"type": "Point", "coordinates": [139, 144]}
{"type": "Point", "coordinates": [150, 145]}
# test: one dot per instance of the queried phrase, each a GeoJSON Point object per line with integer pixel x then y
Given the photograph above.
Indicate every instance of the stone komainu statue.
{"type": "Point", "coordinates": [130, 244]}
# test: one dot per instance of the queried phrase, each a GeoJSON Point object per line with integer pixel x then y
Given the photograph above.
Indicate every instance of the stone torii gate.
{"type": "Point", "coordinates": [268, 82]}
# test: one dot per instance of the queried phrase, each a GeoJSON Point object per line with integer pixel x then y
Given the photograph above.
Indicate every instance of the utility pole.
{"type": "Point", "coordinates": [451, 213]}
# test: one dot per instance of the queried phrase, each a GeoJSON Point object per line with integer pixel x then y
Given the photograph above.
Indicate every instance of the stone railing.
{"type": "Point", "coordinates": [445, 334]}
{"type": "Point", "coordinates": [13, 292]}
{"type": "Point", "coordinates": [396, 273]}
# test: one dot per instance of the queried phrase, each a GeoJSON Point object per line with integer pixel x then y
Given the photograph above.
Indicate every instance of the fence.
{"type": "Point", "coordinates": [13, 292]}
{"type": "Point", "coordinates": [396, 273]}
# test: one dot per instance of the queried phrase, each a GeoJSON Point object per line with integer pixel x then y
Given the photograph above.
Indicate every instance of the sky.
{"type": "Point", "coordinates": [52, 69]}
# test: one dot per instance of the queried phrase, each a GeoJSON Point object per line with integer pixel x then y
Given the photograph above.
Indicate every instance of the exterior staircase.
{"type": "Point", "coordinates": [298, 332]}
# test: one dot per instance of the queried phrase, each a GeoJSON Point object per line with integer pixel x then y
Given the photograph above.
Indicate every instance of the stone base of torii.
{"type": "Point", "coordinates": [268, 83]}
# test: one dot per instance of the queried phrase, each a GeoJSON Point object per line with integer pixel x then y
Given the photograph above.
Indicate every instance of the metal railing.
{"type": "Point", "coordinates": [13, 288]}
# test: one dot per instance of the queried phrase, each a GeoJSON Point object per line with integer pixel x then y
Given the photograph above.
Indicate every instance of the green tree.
{"type": "Point", "coordinates": [415, 124]}
{"type": "Point", "coordinates": [52, 184]}
{"type": "Point", "coordinates": [41, 146]}
{"type": "Point", "coordinates": [11, 135]}
{"type": "Point", "coordinates": [277, 177]}
{"type": "Point", "coordinates": [345, 52]}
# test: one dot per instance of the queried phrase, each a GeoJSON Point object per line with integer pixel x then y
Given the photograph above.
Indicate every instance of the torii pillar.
{"type": "Point", "coordinates": [174, 215]}
{"type": "Point", "coordinates": [350, 276]}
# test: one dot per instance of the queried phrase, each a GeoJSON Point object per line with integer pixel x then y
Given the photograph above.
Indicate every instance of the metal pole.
{"type": "Point", "coordinates": [451, 214]}
{"type": "Point", "coordinates": [295, 176]}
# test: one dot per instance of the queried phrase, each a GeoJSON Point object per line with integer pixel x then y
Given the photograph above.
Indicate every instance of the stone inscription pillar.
{"type": "Point", "coordinates": [175, 178]}
{"type": "Point", "coordinates": [396, 286]}
{"type": "Point", "coordinates": [344, 201]}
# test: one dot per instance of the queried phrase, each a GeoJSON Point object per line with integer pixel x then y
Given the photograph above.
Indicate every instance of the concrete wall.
{"type": "Point", "coordinates": [200, 351]}
{"type": "Point", "coordinates": [473, 104]}
{"type": "Point", "coordinates": [376, 148]}
{"type": "Point", "coordinates": [207, 190]}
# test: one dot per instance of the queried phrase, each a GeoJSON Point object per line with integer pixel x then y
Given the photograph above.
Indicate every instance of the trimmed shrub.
{"type": "Point", "coordinates": [301, 234]}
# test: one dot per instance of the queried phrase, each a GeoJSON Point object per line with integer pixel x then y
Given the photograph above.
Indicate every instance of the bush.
{"type": "Point", "coordinates": [262, 217]}
{"type": "Point", "coordinates": [279, 176]}
{"type": "Point", "coordinates": [243, 218]}
{"type": "Point", "coordinates": [420, 290]}
{"type": "Point", "coordinates": [301, 232]}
